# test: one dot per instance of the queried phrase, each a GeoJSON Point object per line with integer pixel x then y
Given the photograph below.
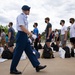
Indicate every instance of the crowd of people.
{"type": "Point", "coordinates": [60, 37]}
{"type": "Point", "coordinates": [8, 40]}
{"type": "Point", "coordinates": [63, 35]}
{"type": "Point", "coordinates": [22, 43]}
{"type": "Point", "coordinates": [56, 36]}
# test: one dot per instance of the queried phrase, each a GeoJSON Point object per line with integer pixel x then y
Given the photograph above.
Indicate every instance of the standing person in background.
{"type": "Point", "coordinates": [72, 32]}
{"type": "Point", "coordinates": [39, 41]}
{"type": "Point", "coordinates": [23, 44]}
{"type": "Point", "coordinates": [48, 32]}
{"type": "Point", "coordinates": [11, 36]}
{"type": "Point", "coordinates": [53, 35]}
{"type": "Point", "coordinates": [36, 31]}
{"type": "Point", "coordinates": [57, 38]}
{"type": "Point", "coordinates": [63, 33]}
{"type": "Point", "coordinates": [3, 37]}
{"type": "Point", "coordinates": [39, 38]}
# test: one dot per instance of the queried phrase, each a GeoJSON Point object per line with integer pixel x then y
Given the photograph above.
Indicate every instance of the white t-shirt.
{"type": "Point", "coordinates": [63, 29]}
{"type": "Point", "coordinates": [72, 30]}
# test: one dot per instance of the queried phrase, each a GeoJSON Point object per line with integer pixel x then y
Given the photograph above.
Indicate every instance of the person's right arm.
{"type": "Point", "coordinates": [9, 34]}
{"type": "Point", "coordinates": [25, 30]}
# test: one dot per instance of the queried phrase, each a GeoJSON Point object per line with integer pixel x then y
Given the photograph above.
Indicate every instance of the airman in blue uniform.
{"type": "Point", "coordinates": [22, 43]}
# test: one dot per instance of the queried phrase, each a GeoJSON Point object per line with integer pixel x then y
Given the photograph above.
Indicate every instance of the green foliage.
{"type": "Point", "coordinates": [43, 36]}
{"type": "Point", "coordinates": [5, 28]}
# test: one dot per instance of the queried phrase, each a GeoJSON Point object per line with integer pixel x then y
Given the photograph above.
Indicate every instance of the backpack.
{"type": "Point", "coordinates": [67, 52]}
{"type": "Point", "coordinates": [7, 54]}
{"type": "Point", "coordinates": [72, 52]}
{"type": "Point", "coordinates": [55, 47]}
{"type": "Point", "coordinates": [52, 45]}
{"type": "Point", "coordinates": [47, 52]}
{"type": "Point", "coordinates": [39, 46]}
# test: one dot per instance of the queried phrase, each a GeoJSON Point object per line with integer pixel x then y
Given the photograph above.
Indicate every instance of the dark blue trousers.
{"type": "Point", "coordinates": [23, 44]}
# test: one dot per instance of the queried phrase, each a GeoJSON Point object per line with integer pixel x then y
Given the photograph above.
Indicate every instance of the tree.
{"type": "Point", "coordinates": [43, 36]}
{"type": "Point", "coordinates": [5, 28]}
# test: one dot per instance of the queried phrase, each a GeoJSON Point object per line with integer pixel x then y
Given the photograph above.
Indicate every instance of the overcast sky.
{"type": "Point", "coordinates": [55, 9]}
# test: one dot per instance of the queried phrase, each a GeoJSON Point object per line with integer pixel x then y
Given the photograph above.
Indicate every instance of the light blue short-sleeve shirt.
{"type": "Point", "coordinates": [22, 20]}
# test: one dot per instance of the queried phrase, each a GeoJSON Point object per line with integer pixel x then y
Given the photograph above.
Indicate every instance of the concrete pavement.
{"type": "Point", "coordinates": [56, 66]}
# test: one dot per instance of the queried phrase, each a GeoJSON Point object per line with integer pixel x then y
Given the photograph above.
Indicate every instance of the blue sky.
{"type": "Point", "coordinates": [55, 9]}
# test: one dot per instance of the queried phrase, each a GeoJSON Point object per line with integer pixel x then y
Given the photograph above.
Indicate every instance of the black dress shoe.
{"type": "Point", "coordinates": [15, 72]}
{"type": "Point", "coordinates": [38, 68]}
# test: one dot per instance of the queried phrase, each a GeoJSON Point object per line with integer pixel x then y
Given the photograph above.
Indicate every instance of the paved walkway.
{"type": "Point", "coordinates": [56, 66]}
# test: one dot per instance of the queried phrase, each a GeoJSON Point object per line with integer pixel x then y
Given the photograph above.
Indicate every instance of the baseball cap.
{"type": "Point", "coordinates": [25, 7]}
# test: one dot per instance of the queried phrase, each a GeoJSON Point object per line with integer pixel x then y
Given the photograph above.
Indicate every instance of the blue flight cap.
{"type": "Point", "coordinates": [25, 7]}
